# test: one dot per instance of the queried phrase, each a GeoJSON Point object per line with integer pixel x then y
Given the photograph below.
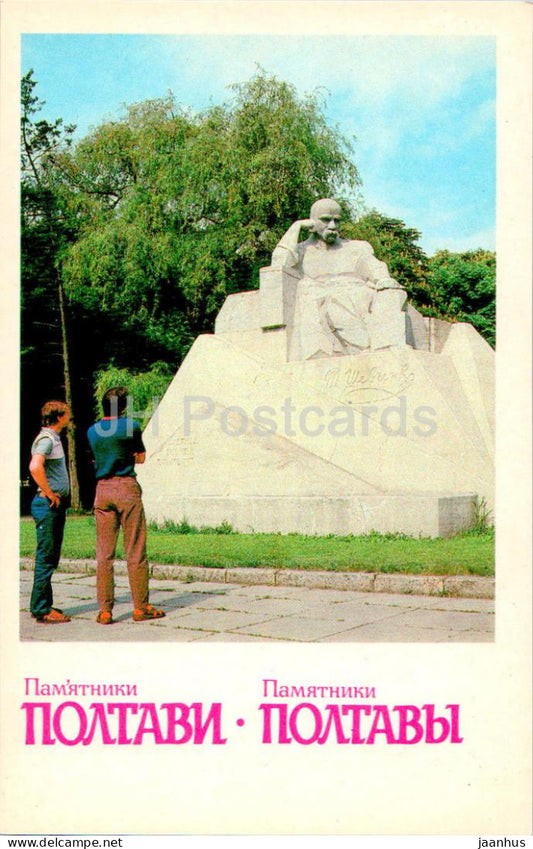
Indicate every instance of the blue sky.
{"type": "Point", "coordinates": [422, 109]}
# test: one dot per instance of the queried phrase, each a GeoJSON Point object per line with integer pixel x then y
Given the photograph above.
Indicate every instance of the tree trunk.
{"type": "Point", "coordinates": [71, 430]}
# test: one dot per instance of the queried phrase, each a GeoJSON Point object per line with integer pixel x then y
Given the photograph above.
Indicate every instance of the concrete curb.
{"type": "Point", "coordinates": [453, 586]}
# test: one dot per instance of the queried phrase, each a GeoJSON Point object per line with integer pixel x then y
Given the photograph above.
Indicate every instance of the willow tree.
{"type": "Point", "coordinates": [180, 209]}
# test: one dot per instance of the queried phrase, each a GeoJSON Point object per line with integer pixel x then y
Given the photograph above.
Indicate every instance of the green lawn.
{"type": "Point", "coordinates": [464, 554]}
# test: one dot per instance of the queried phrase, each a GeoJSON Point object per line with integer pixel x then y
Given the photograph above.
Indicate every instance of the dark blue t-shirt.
{"type": "Point", "coordinates": [113, 442]}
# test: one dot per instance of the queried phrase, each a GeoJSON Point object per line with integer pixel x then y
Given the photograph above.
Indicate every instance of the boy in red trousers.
{"type": "Point", "coordinates": [116, 443]}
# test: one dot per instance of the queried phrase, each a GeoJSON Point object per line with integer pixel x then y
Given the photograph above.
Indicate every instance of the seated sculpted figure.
{"type": "Point", "coordinates": [346, 301]}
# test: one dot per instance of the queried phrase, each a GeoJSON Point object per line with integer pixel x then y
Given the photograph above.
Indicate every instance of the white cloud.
{"type": "Point", "coordinates": [421, 70]}
{"type": "Point", "coordinates": [382, 88]}
{"type": "Point", "coordinates": [460, 243]}
{"type": "Point", "coordinates": [483, 118]}
{"type": "Point", "coordinates": [413, 103]}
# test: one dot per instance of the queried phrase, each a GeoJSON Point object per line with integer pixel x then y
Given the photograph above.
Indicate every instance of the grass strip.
{"type": "Point", "coordinates": [463, 554]}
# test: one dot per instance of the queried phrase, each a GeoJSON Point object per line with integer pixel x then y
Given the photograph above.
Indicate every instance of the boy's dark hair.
{"type": "Point", "coordinates": [115, 401]}
{"type": "Point", "coordinates": [52, 411]}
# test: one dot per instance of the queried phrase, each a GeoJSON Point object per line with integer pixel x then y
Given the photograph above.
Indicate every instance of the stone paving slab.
{"type": "Point", "coordinates": [296, 629]}
{"type": "Point", "coordinates": [445, 620]}
{"type": "Point", "coordinates": [358, 611]}
{"type": "Point", "coordinates": [387, 633]}
{"type": "Point", "coordinates": [379, 599]}
{"type": "Point", "coordinates": [220, 620]}
{"type": "Point", "coordinates": [229, 637]}
{"type": "Point", "coordinates": [260, 608]}
{"type": "Point", "coordinates": [213, 611]}
{"type": "Point", "coordinates": [466, 605]}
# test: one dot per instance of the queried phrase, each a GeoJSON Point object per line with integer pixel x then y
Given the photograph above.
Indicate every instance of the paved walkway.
{"type": "Point", "coordinates": [207, 611]}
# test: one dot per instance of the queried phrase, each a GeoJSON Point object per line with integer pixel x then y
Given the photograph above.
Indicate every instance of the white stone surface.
{"type": "Point", "coordinates": [428, 516]}
{"type": "Point", "coordinates": [324, 403]}
{"type": "Point", "coordinates": [224, 463]}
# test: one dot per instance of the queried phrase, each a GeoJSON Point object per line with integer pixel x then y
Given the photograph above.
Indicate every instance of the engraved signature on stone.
{"type": "Point", "coordinates": [354, 382]}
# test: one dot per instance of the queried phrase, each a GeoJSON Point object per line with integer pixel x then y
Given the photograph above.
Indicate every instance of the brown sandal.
{"type": "Point", "coordinates": [148, 612]}
{"type": "Point", "coordinates": [104, 618]}
{"type": "Point", "coordinates": [53, 617]}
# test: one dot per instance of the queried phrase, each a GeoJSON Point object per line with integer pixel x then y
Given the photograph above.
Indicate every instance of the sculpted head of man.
{"type": "Point", "coordinates": [326, 216]}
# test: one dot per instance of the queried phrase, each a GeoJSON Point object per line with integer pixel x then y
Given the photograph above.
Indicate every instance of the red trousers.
{"type": "Point", "coordinates": [118, 504]}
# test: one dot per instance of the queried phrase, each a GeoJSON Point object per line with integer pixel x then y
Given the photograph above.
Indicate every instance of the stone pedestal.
{"type": "Point", "coordinates": [394, 440]}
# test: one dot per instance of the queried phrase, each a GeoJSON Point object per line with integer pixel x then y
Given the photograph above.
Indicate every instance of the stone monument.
{"type": "Point", "coordinates": [325, 403]}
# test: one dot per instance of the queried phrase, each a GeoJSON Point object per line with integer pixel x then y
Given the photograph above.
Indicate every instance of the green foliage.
{"type": "Point", "coordinates": [376, 536]}
{"type": "Point", "coordinates": [451, 286]}
{"type": "Point", "coordinates": [45, 226]}
{"type": "Point", "coordinates": [184, 527]}
{"type": "Point", "coordinates": [179, 210]}
{"type": "Point", "coordinates": [172, 211]}
{"type": "Point", "coordinates": [483, 524]}
{"type": "Point", "coordinates": [464, 287]}
{"type": "Point", "coordinates": [145, 388]}
{"type": "Point", "coordinates": [459, 555]}
{"type": "Point", "coordinates": [40, 139]}
{"type": "Point", "coordinates": [397, 245]}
